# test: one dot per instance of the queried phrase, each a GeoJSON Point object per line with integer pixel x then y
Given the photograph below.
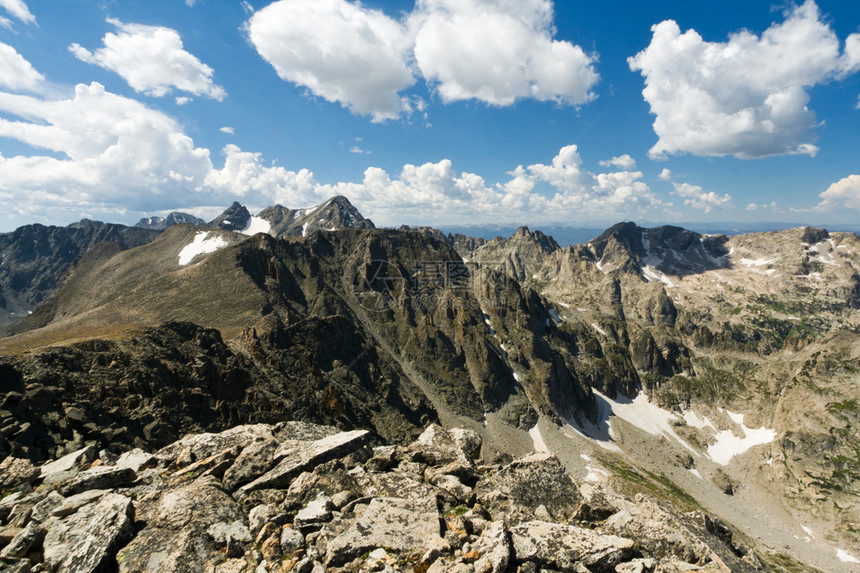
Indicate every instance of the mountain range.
{"type": "Point", "coordinates": [715, 373]}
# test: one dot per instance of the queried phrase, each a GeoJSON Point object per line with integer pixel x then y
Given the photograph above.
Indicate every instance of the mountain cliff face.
{"type": "Point", "coordinates": [34, 258]}
{"type": "Point", "coordinates": [716, 372]}
{"type": "Point", "coordinates": [163, 223]}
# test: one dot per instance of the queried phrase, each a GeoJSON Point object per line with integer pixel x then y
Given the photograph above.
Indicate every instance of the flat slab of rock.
{"type": "Point", "coordinates": [70, 462]}
{"type": "Point", "coordinates": [305, 456]}
{"type": "Point", "coordinates": [86, 541]}
{"type": "Point", "coordinates": [101, 477]}
{"type": "Point", "coordinates": [563, 546]}
{"type": "Point", "coordinates": [398, 525]}
{"type": "Point", "coordinates": [202, 446]}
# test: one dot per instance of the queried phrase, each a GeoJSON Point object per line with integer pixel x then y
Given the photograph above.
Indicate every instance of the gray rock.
{"type": "Point", "coordinates": [494, 549]}
{"type": "Point", "coordinates": [255, 459]}
{"type": "Point", "coordinates": [512, 490]}
{"type": "Point", "coordinates": [202, 446]}
{"type": "Point", "coordinates": [564, 546]}
{"type": "Point", "coordinates": [17, 471]}
{"type": "Point", "coordinates": [86, 541]}
{"type": "Point", "coordinates": [137, 460]}
{"type": "Point", "coordinates": [470, 441]}
{"type": "Point", "coordinates": [317, 511]}
{"type": "Point", "coordinates": [302, 431]}
{"type": "Point", "coordinates": [100, 477]}
{"type": "Point", "coordinates": [72, 462]}
{"type": "Point", "coordinates": [43, 509]}
{"type": "Point", "coordinates": [399, 525]}
{"type": "Point", "coordinates": [26, 539]}
{"type": "Point", "coordinates": [450, 484]}
{"type": "Point", "coordinates": [301, 457]}
{"type": "Point", "coordinates": [73, 503]}
{"type": "Point", "coordinates": [291, 540]}
{"type": "Point", "coordinates": [177, 536]}
{"type": "Point", "coordinates": [260, 515]}
{"type": "Point", "coordinates": [645, 565]}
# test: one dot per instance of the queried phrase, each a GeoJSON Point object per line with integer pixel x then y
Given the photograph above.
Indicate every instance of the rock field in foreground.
{"type": "Point", "coordinates": [307, 498]}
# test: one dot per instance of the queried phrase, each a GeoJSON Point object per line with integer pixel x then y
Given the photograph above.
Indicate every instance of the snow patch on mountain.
{"type": "Point", "coordinates": [256, 225]}
{"type": "Point", "coordinates": [201, 245]}
{"type": "Point", "coordinates": [728, 445]}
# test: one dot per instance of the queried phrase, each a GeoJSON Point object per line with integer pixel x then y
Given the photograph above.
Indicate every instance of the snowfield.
{"type": "Point", "coordinates": [201, 245]}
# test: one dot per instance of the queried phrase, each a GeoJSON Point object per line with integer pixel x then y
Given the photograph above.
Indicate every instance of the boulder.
{"type": "Point", "coordinates": [304, 456]}
{"type": "Point", "coordinates": [100, 477]}
{"type": "Point", "coordinates": [72, 462]}
{"type": "Point", "coordinates": [87, 540]}
{"type": "Point", "coordinates": [513, 492]}
{"type": "Point", "coordinates": [493, 548]}
{"type": "Point", "coordinates": [399, 525]}
{"type": "Point", "coordinates": [17, 471]}
{"type": "Point", "coordinates": [179, 533]}
{"type": "Point", "coordinates": [255, 459]}
{"type": "Point", "coordinates": [563, 547]}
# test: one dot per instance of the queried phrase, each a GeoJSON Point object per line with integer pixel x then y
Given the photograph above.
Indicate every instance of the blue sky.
{"type": "Point", "coordinates": [433, 112]}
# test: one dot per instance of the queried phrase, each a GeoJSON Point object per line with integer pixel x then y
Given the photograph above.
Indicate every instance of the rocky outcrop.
{"type": "Point", "coordinates": [346, 507]}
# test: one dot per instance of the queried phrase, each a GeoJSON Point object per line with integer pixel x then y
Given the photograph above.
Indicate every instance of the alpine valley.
{"type": "Point", "coordinates": [298, 390]}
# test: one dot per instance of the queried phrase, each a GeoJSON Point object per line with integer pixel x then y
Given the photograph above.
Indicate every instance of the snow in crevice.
{"type": "Point", "coordinates": [596, 327]}
{"type": "Point", "coordinates": [694, 421]}
{"type": "Point", "coordinates": [651, 274]}
{"type": "Point", "coordinates": [554, 315]}
{"type": "Point", "coordinates": [305, 229]}
{"type": "Point", "coordinates": [201, 245]}
{"type": "Point", "coordinates": [696, 473]}
{"type": "Point", "coordinates": [537, 439]}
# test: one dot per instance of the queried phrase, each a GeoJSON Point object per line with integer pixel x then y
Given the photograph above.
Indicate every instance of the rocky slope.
{"type": "Point", "coordinates": [306, 498]}
{"type": "Point", "coordinates": [34, 258]}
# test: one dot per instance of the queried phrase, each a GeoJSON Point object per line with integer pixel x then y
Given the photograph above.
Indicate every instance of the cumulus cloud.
{"type": "Point", "coordinates": [342, 52]}
{"type": "Point", "coordinates": [109, 154]}
{"type": "Point", "coordinates": [496, 52]}
{"type": "Point", "coordinates": [228, 130]}
{"type": "Point", "coordinates": [665, 175]}
{"type": "Point", "coordinates": [19, 10]}
{"type": "Point", "coordinates": [622, 161]}
{"type": "Point", "coordinates": [152, 60]}
{"type": "Point", "coordinates": [746, 97]}
{"type": "Point", "coordinates": [16, 73]}
{"type": "Point", "coordinates": [844, 194]}
{"type": "Point", "coordinates": [697, 198]}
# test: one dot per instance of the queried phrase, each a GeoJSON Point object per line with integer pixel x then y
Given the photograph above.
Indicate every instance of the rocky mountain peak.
{"type": "Point", "coordinates": [162, 223]}
{"type": "Point", "coordinates": [544, 242]}
{"type": "Point", "coordinates": [235, 218]}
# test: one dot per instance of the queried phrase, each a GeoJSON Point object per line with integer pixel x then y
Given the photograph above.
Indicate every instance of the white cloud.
{"type": "Point", "coordinates": [112, 150]}
{"type": "Point", "coordinates": [358, 150]}
{"type": "Point", "coordinates": [747, 96]}
{"type": "Point", "coordinates": [16, 73]}
{"type": "Point", "coordinates": [665, 175]}
{"type": "Point", "coordinates": [152, 60]}
{"type": "Point", "coordinates": [622, 161]}
{"type": "Point", "coordinates": [184, 100]}
{"type": "Point", "coordinates": [340, 51]}
{"type": "Point", "coordinates": [844, 194]}
{"type": "Point", "coordinates": [697, 198]}
{"type": "Point", "coordinates": [190, 3]}
{"type": "Point", "coordinates": [228, 130]}
{"type": "Point", "coordinates": [498, 52]}
{"type": "Point", "coordinates": [108, 154]}
{"type": "Point", "coordinates": [19, 10]}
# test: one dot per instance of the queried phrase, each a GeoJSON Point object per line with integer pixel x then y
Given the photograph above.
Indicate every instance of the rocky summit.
{"type": "Point", "coordinates": [302, 497]}
{"type": "Point", "coordinates": [297, 389]}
